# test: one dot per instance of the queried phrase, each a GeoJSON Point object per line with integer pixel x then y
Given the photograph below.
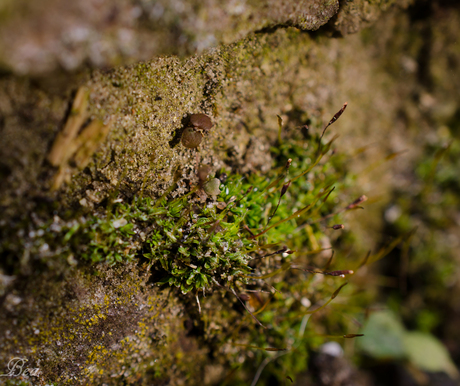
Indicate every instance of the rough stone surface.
{"type": "Point", "coordinates": [356, 15]}
{"type": "Point", "coordinates": [38, 37]}
{"type": "Point", "coordinates": [396, 77]}
{"type": "Point", "coordinates": [97, 328]}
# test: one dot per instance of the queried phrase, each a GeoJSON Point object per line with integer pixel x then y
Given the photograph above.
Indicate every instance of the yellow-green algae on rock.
{"type": "Point", "coordinates": [97, 327]}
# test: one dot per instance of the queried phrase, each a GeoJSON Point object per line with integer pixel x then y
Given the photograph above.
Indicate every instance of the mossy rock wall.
{"type": "Point", "coordinates": [113, 327]}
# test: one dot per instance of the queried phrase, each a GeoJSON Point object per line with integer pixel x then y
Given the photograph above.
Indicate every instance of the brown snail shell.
{"type": "Point", "coordinates": [201, 121]}
{"type": "Point", "coordinates": [191, 138]}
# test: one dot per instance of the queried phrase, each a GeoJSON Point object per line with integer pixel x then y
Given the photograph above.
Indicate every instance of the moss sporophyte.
{"type": "Point", "coordinates": [224, 232]}
{"type": "Point", "coordinates": [262, 240]}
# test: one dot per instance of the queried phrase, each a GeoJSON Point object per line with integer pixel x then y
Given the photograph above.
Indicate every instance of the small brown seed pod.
{"type": "Point", "coordinates": [212, 187]}
{"type": "Point", "coordinates": [203, 172]}
{"type": "Point", "coordinates": [201, 121]}
{"type": "Point", "coordinates": [191, 138]}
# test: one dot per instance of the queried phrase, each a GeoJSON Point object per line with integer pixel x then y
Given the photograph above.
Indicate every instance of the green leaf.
{"type": "Point", "coordinates": [164, 281]}
{"type": "Point", "coordinates": [428, 353]}
{"type": "Point", "coordinates": [157, 211]}
{"type": "Point", "coordinates": [185, 289]}
{"type": "Point", "coordinates": [127, 229]}
{"type": "Point", "coordinates": [70, 233]}
{"type": "Point", "coordinates": [184, 251]}
{"type": "Point", "coordinates": [171, 236]}
{"type": "Point", "coordinates": [383, 336]}
{"type": "Point", "coordinates": [204, 279]}
{"type": "Point", "coordinates": [190, 278]}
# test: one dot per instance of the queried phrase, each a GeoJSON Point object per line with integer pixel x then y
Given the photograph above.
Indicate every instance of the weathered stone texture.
{"type": "Point", "coordinates": [39, 37]}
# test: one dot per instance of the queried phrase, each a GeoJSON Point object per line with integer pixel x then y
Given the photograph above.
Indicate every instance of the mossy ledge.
{"type": "Point", "coordinates": [114, 324]}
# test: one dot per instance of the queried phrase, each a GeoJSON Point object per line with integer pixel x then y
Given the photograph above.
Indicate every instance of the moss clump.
{"type": "Point", "coordinates": [197, 241]}
{"type": "Point", "coordinates": [254, 231]}
{"type": "Point", "coordinates": [198, 245]}
{"type": "Point", "coordinates": [201, 240]}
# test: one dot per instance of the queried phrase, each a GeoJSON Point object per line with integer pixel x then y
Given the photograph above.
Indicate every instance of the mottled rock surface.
{"type": "Point", "coordinates": [395, 76]}
{"type": "Point", "coordinates": [40, 37]}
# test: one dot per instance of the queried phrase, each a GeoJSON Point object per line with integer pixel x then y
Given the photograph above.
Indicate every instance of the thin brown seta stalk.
{"type": "Point", "coordinates": [246, 308]}
{"type": "Point", "coordinates": [288, 265]}
{"type": "Point", "coordinates": [364, 262]}
{"type": "Point", "coordinates": [259, 348]}
{"type": "Point", "coordinates": [283, 192]}
{"type": "Point", "coordinates": [333, 296]}
{"type": "Point", "coordinates": [388, 248]}
{"type": "Point", "coordinates": [280, 129]}
{"type": "Point", "coordinates": [257, 291]}
{"type": "Point", "coordinates": [264, 305]}
{"type": "Point", "coordinates": [288, 164]}
{"type": "Point", "coordinates": [322, 153]}
{"type": "Point", "coordinates": [283, 175]}
{"type": "Point", "coordinates": [258, 247]}
{"type": "Point", "coordinates": [294, 215]}
{"type": "Point", "coordinates": [387, 158]}
{"type": "Point", "coordinates": [404, 266]}
{"type": "Point", "coordinates": [351, 206]}
{"type": "Point", "coordinates": [245, 227]}
{"type": "Point", "coordinates": [340, 273]}
{"type": "Point", "coordinates": [284, 267]}
{"type": "Point", "coordinates": [333, 119]}
{"type": "Point", "coordinates": [329, 262]}
{"type": "Point", "coordinates": [177, 176]}
{"type": "Point", "coordinates": [346, 336]}
{"type": "Point", "coordinates": [241, 301]}
{"type": "Point", "coordinates": [282, 250]}
{"type": "Point", "coordinates": [318, 209]}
